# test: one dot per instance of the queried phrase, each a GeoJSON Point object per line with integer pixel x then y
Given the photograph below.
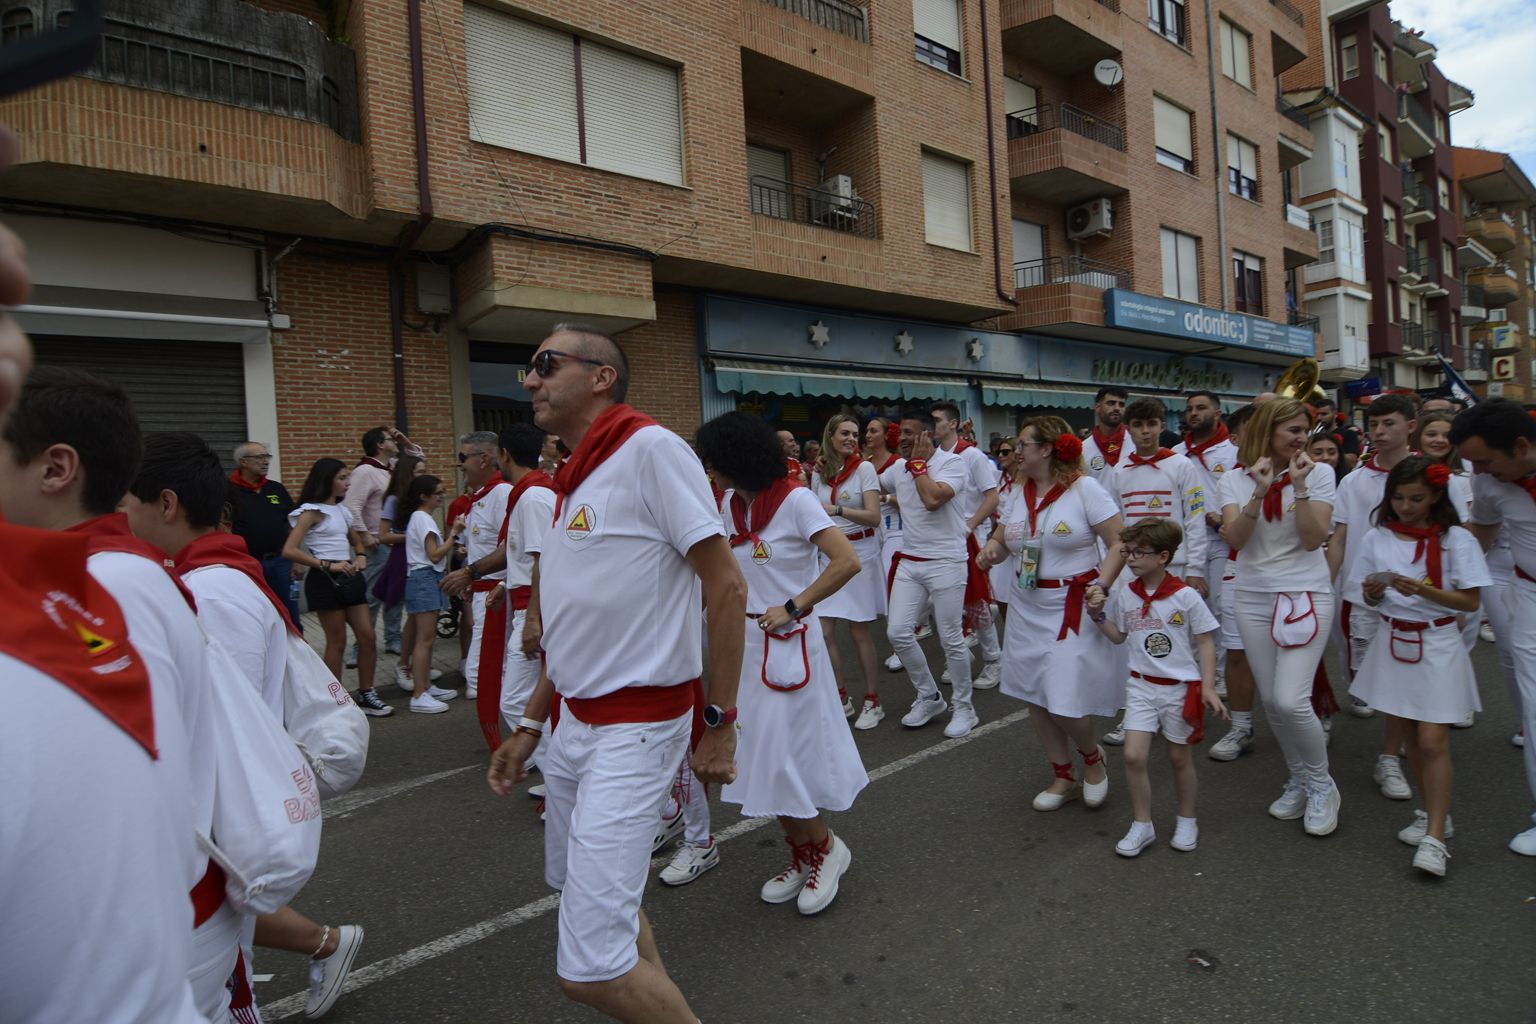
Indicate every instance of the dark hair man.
{"type": "Point", "coordinates": [1105, 445]}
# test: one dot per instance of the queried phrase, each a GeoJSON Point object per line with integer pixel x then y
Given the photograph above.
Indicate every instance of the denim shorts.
{"type": "Point", "coordinates": [421, 592]}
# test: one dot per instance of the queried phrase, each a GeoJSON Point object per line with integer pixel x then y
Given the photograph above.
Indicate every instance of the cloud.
{"type": "Point", "coordinates": [1486, 47]}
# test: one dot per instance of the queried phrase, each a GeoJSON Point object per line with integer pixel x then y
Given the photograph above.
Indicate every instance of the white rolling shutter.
{"type": "Point", "coordinates": [947, 202]}
{"type": "Point", "coordinates": [768, 175]}
{"type": "Point", "coordinates": [522, 84]}
{"type": "Point", "coordinates": [634, 118]}
{"type": "Point", "coordinates": [1248, 160]}
{"type": "Point", "coordinates": [939, 21]}
{"type": "Point", "coordinates": [1021, 97]}
{"type": "Point", "coordinates": [1172, 128]}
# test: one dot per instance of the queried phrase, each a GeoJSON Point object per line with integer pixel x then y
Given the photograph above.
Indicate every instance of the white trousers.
{"type": "Point", "coordinates": [519, 674]}
{"type": "Point", "coordinates": [476, 633]}
{"type": "Point", "coordinates": [693, 795]}
{"type": "Point", "coordinates": [1520, 604]}
{"type": "Point", "coordinates": [215, 945]}
{"type": "Point", "coordinates": [940, 582]}
{"type": "Point", "coordinates": [1283, 676]}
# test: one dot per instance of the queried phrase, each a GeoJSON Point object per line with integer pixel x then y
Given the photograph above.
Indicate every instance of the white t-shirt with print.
{"type": "Point", "coordinates": [1462, 567]}
{"type": "Point", "coordinates": [482, 526]}
{"type": "Point", "coordinates": [1068, 544]}
{"type": "Point", "coordinates": [849, 495]}
{"type": "Point", "coordinates": [525, 533]}
{"type": "Point", "coordinates": [1274, 561]}
{"type": "Point", "coordinates": [1162, 643]}
{"type": "Point", "coordinates": [783, 561]}
{"type": "Point", "coordinates": [327, 540]}
{"type": "Point", "coordinates": [937, 534]}
{"type": "Point", "coordinates": [1168, 489]}
{"type": "Point", "coordinates": [420, 527]}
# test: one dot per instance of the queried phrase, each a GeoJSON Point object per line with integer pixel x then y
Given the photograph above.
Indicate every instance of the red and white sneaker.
{"type": "Point", "coordinates": [829, 862]}
{"type": "Point", "coordinates": [786, 885]}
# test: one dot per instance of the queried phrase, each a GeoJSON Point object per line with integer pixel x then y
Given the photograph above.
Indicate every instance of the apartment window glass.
{"type": "Point", "coordinates": [1445, 192]}
{"type": "Point", "coordinates": [937, 27]}
{"type": "Point", "coordinates": [548, 92]}
{"type": "Point", "coordinates": [1350, 242]}
{"type": "Point", "coordinates": [1442, 130]}
{"type": "Point", "coordinates": [1168, 18]}
{"type": "Point", "coordinates": [768, 178]}
{"type": "Point", "coordinates": [17, 24]}
{"type": "Point", "coordinates": [1341, 165]}
{"type": "Point", "coordinates": [1174, 130]}
{"type": "Point", "coordinates": [947, 202]}
{"type": "Point", "coordinates": [1325, 241]}
{"type": "Point", "coordinates": [1248, 282]}
{"type": "Point", "coordinates": [1385, 139]}
{"type": "Point", "coordinates": [1379, 56]}
{"type": "Point", "coordinates": [1181, 266]}
{"type": "Point", "coordinates": [1236, 45]}
{"type": "Point", "coordinates": [1447, 260]}
{"type": "Point", "coordinates": [1349, 57]}
{"type": "Point", "coordinates": [1389, 223]}
{"type": "Point", "coordinates": [1242, 168]}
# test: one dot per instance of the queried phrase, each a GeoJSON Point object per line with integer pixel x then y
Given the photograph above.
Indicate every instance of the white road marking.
{"type": "Point", "coordinates": [390, 966]}
{"type": "Point", "coordinates": [348, 804]}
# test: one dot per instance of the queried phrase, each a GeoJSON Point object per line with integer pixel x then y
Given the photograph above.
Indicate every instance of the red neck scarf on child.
{"type": "Point", "coordinates": [1171, 585]}
{"type": "Point", "coordinates": [1153, 459]}
{"type": "Point", "coordinates": [230, 551]}
{"type": "Point", "coordinates": [1428, 547]}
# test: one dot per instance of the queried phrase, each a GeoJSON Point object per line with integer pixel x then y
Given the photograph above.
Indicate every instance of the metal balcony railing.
{"type": "Point", "coordinates": [1473, 295]}
{"type": "Point", "coordinates": [1113, 5]}
{"type": "Point", "coordinates": [811, 205]}
{"type": "Point", "coordinates": [1290, 11]}
{"type": "Point", "coordinates": [1292, 112]}
{"type": "Point", "coordinates": [1426, 341]}
{"type": "Point", "coordinates": [1064, 115]}
{"type": "Point", "coordinates": [1296, 217]}
{"type": "Point", "coordinates": [1426, 267]}
{"type": "Point", "coordinates": [1416, 194]}
{"type": "Point", "coordinates": [1309, 320]}
{"type": "Point", "coordinates": [1410, 110]}
{"type": "Point", "coordinates": [1069, 270]}
{"type": "Point", "coordinates": [837, 15]}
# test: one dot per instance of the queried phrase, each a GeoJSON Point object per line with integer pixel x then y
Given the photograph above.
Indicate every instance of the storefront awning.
{"type": "Point", "coordinates": [1042, 396]}
{"type": "Point", "coordinates": [86, 312]}
{"type": "Point", "coordinates": [801, 381]}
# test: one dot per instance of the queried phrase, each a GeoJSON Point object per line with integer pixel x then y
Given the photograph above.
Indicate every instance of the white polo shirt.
{"type": "Point", "coordinates": [621, 604]}
{"type": "Point", "coordinates": [235, 612]}
{"type": "Point", "coordinates": [1274, 561]}
{"type": "Point", "coordinates": [1162, 643]}
{"type": "Point", "coordinates": [1167, 489]}
{"type": "Point", "coordinates": [525, 533]}
{"type": "Point", "coordinates": [1354, 506]}
{"type": "Point", "coordinates": [482, 525]}
{"type": "Point", "coordinates": [981, 477]}
{"type": "Point", "coordinates": [1495, 502]}
{"type": "Point", "coordinates": [925, 534]}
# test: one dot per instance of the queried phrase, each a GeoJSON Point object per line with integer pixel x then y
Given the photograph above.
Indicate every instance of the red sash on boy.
{"type": "Point", "coordinates": [230, 551]}
{"type": "Point", "coordinates": [493, 642]}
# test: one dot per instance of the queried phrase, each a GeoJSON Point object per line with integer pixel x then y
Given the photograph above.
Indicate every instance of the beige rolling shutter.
{"type": "Point", "coordinates": [768, 174]}
{"type": "Point", "coordinates": [938, 20]}
{"type": "Point", "coordinates": [1173, 128]}
{"type": "Point", "coordinates": [522, 84]}
{"type": "Point", "coordinates": [634, 118]}
{"type": "Point", "coordinates": [947, 202]}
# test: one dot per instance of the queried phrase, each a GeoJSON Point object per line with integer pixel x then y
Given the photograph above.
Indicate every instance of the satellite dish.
{"type": "Point", "coordinates": [1108, 73]}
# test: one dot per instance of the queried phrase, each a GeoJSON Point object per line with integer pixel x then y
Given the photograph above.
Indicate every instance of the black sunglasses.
{"type": "Point", "coordinates": [544, 363]}
{"type": "Point", "coordinates": [463, 458]}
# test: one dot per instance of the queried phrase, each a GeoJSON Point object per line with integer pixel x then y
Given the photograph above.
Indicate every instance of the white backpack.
{"type": "Point", "coordinates": [323, 720]}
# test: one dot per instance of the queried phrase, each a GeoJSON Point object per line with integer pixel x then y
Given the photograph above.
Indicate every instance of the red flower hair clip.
{"type": "Point", "coordinates": [1067, 448]}
{"type": "Point", "coordinates": [1438, 475]}
{"type": "Point", "coordinates": [892, 435]}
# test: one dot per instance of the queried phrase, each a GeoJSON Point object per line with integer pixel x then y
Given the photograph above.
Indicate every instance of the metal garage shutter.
{"type": "Point", "coordinates": [175, 385]}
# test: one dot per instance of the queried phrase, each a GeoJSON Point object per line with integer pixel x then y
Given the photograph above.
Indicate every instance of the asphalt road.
{"type": "Point", "coordinates": [962, 903]}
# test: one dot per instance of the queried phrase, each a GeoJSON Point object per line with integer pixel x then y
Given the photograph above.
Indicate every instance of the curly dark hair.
{"type": "Point", "coordinates": [1409, 471]}
{"type": "Point", "coordinates": [742, 448]}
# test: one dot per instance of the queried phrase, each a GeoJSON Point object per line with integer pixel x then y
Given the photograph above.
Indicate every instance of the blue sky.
{"type": "Point", "coordinates": [1490, 47]}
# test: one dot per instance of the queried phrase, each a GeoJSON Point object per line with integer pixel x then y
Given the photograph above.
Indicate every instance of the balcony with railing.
{"type": "Point", "coordinates": [1424, 344]}
{"type": "Point", "coordinates": [1063, 36]}
{"type": "Point", "coordinates": [820, 205]}
{"type": "Point", "coordinates": [1294, 135]}
{"type": "Point", "coordinates": [840, 16]}
{"type": "Point", "coordinates": [1288, 37]}
{"type": "Point", "coordinates": [1492, 228]}
{"type": "Point", "coordinates": [1308, 320]}
{"type": "Point", "coordinates": [1474, 304]}
{"type": "Point", "coordinates": [1500, 284]}
{"type": "Point", "coordinates": [1478, 357]}
{"type": "Point", "coordinates": [1416, 138]}
{"type": "Point", "coordinates": [1298, 237]}
{"type": "Point", "coordinates": [1419, 203]}
{"type": "Point", "coordinates": [1419, 272]}
{"type": "Point", "coordinates": [1059, 153]}
{"type": "Point", "coordinates": [1060, 290]}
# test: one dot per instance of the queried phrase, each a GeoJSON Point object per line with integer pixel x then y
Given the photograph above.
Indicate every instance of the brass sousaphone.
{"type": "Point", "coordinates": [1300, 382]}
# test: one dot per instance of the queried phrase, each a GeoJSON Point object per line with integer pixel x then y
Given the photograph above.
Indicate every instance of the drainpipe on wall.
{"type": "Point", "coordinates": [986, 76]}
{"type": "Point", "coordinates": [1219, 149]}
{"type": "Point", "coordinates": [413, 231]}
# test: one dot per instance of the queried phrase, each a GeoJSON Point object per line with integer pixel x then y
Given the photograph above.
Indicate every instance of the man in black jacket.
{"type": "Point", "coordinates": [259, 510]}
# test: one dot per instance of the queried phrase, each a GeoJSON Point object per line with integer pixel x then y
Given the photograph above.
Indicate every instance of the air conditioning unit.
{"type": "Point", "coordinates": [834, 202]}
{"type": "Point", "coordinates": [1091, 220]}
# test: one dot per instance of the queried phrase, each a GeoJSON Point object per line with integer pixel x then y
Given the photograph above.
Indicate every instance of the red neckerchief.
{"type": "Point", "coordinates": [796, 469]}
{"type": "Point", "coordinates": [230, 551]}
{"type": "Point", "coordinates": [530, 480]}
{"type": "Point", "coordinates": [890, 460]}
{"type": "Point", "coordinates": [494, 482]}
{"type": "Point", "coordinates": [1171, 585]}
{"type": "Point", "coordinates": [1369, 462]}
{"type": "Point", "coordinates": [850, 465]}
{"type": "Point", "coordinates": [111, 533]}
{"type": "Point", "coordinates": [1005, 486]}
{"type": "Point", "coordinates": [961, 444]}
{"type": "Point", "coordinates": [55, 617]}
{"type": "Point", "coordinates": [607, 434]}
{"type": "Point", "coordinates": [1157, 456]}
{"type": "Point", "coordinates": [1527, 484]}
{"type": "Point", "coordinates": [1197, 451]}
{"type": "Point", "coordinates": [1110, 446]}
{"type": "Point", "coordinates": [748, 523]}
{"type": "Point", "coordinates": [1428, 547]}
{"type": "Point", "coordinates": [244, 484]}
{"type": "Point", "coordinates": [1033, 507]}
{"type": "Point", "coordinates": [369, 460]}
{"type": "Point", "coordinates": [1274, 500]}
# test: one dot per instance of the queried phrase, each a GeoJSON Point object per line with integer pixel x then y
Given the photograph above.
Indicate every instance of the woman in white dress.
{"type": "Point", "coordinates": [880, 453]}
{"type": "Point", "coordinates": [1423, 573]}
{"type": "Point", "coordinates": [1053, 658]}
{"type": "Point", "coordinates": [849, 492]}
{"type": "Point", "coordinates": [795, 756]}
{"type": "Point", "coordinates": [1276, 514]}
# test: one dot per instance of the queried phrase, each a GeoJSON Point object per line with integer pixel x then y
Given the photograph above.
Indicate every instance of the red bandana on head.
{"type": "Point", "coordinates": [230, 551]}
{"type": "Point", "coordinates": [607, 434]}
{"type": "Point", "coordinates": [748, 523]}
{"type": "Point", "coordinates": [1111, 445]}
{"type": "Point", "coordinates": [1197, 451]}
{"type": "Point", "coordinates": [1153, 459]}
{"type": "Point", "coordinates": [1428, 547]}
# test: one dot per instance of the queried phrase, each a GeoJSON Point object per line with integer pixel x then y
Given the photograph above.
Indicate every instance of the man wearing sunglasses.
{"type": "Point", "coordinates": [635, 534]}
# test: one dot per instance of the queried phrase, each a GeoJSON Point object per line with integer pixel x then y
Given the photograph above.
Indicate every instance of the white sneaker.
{"type": "Point", "coordinates": [1292, 803]}
{"type": "Point", "coordinates": [871, 715]}
{"type": "Point", "coordinates": [691, 862]}
{"type": "Point", "coordinates": [537, 792]}
{"type": "Point", "coordinates": [1467, 722]}
{"type": "Point", "coordinates": [1186, 835]}
{"type": "Point", "coordinates": [924, 710]}
{"type": "Point", "coordinates": [1388, 774]}
{"type": "Point", "coordinates": [404, 681]}
{"type": "Point", "coordinates": [893, 664]}
{"type": "Point", "coordinates": [1116, 736]}
{"type": "Point", "coordinates": [441, 694]}
{"type": "Point", "coordinates": [1237, 742]}
{"type": "Point", "coordinates": [471, 692]}
{"type": "Point", "coordinates": [1485, 632]}
{"type": "Point", "coordinates": [827, 870]}
{"type": "Point", "coordinates": [1360, 709]}
{"type": "Point", "coordinates": [1141, 836]}
{"type": "Point", "coordinates": [1431, 856]}
{"type": "Point", "coordinates": [1322, 815]}
{"type": "Point", "coordinates": [1524, 843]}
{"type": "Point", "coordinates": [786, 885]}
{"type": "Point", "coordinates": [923, 632]}
{"type": "Point", "coordinates": [668, 829]}
{"type": "Point", "coordinates": [848, 710]}
{"type": "Point", "coordinates": [962, 721]}
{"type": "Point", "coordinates": [326, 976]}
{"type": "Point", "coordinates": [1420, 828]}
{"type": "Point", "coordinates": [1518, 739]}
{"type": "Point", "coordinates": [1221, 687]}
{"type": "Point", "coordinates": [434, 675]}
{"type": "Point", "coordinates": [971, 640]}
{"type": "Point", "coordinates": [427, 704]}
{"type": "Point", "coordinates": [990, 675]}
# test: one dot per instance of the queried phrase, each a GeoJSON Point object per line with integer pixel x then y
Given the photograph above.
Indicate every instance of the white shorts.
{"type": "Point", "coordinates": [1155, 707]}
{"type": "Point", "coordinates": [604, 789]}
{"type": "Point", "coordinates": [1231, 639]}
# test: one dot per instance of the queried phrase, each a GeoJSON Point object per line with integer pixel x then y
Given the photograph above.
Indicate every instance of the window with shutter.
{"type": "Point", "coordinates": [1384, 140]}
{"type": "Point", "coordinates": [1325, 241]}
{"type": "Point", "coordinates": [1235, 49]}
{"type": "Point", "coordinates": [936, 24]}
{"type": "Point", "coordinates": [1242, 168]}
{"type": "Point", "coordinates": [947, 202]}
{"type": "Point", "coordinates": [1174, 134]}
{"type": "Point", "coordinates": [768, 174]}
{"type": "Point", "coordinates": [1389, 223]}
{"type": "Point", "coordinates": [634, 123]}
{"type": "Point", "coordinates": [522, 85]}
{"type": "Point", "coordinates": [1168, 19]}
{"type": "Point", "coordinates": [1248, 282]}
{"type": "Point", "coordinates": [1349, 56]}
{"type": "Point", "coordinates": [1023, 102]}
{"type": "Point", "coordinates": [1181, 266]}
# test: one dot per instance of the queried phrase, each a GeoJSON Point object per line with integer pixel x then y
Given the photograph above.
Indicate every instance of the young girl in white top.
{"type": "Point", "coordinates": [1422, 573]}
{"type": "Point", "coordinates": [426, 556]}
{"type": "Point", "coordinates": [1276, 513]}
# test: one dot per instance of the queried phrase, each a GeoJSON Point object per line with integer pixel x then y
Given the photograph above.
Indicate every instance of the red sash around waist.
{"type": "Point", "coordinates": [519, 596]}
{"type": "Point", "coordinates": [638, 704]}
{"type": "Point", "coordinates": [207, 894]}
{"type": "Point", "coordinates": [1524, 575]}
{"type": "Point", "coordinates": [1417, 627]}
{"type": "Point", "coordinates": [483, 585]}
{"type": "Point", "coordinates": [1077, 589]}
{"type": "Point", "coordinates": [1193, 711]}
{"type": "Point", "coordinates": [897, 559]}
{"type": "Point", "coordinates": [870, 532]}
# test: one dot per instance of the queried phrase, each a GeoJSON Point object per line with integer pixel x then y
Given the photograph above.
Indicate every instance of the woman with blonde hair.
{"type": "Point", "coordinates": [1054, 660]}
{"type": "Point", "coordinates": [849, 492]}
{"type": "Point", "coordinates": [1276, 514]}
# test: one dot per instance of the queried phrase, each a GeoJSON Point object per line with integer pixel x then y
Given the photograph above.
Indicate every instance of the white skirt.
{"type": "Point", "coordinates": [1434, 684]}
{"type": "Point", "coordinates": [862, 599]}
{"type": "Point", "coordinates": [1082, 674]}
{"type": "Point", "coordinates": [795, 754]}
{"type": "Point", "coordinates": [1002, 578]}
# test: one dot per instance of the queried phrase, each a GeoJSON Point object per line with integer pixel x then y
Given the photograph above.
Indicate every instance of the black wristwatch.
{"type": "Point", "coordinates": [793, 609]}
{"type": "Point", "coordinates": [715, 716]}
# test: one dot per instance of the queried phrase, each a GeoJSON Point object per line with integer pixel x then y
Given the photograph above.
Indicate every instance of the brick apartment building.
{"type": "Point", "coordinates": [1498, 313]}
{"type": "Point", "coordinates": [267, 224]}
